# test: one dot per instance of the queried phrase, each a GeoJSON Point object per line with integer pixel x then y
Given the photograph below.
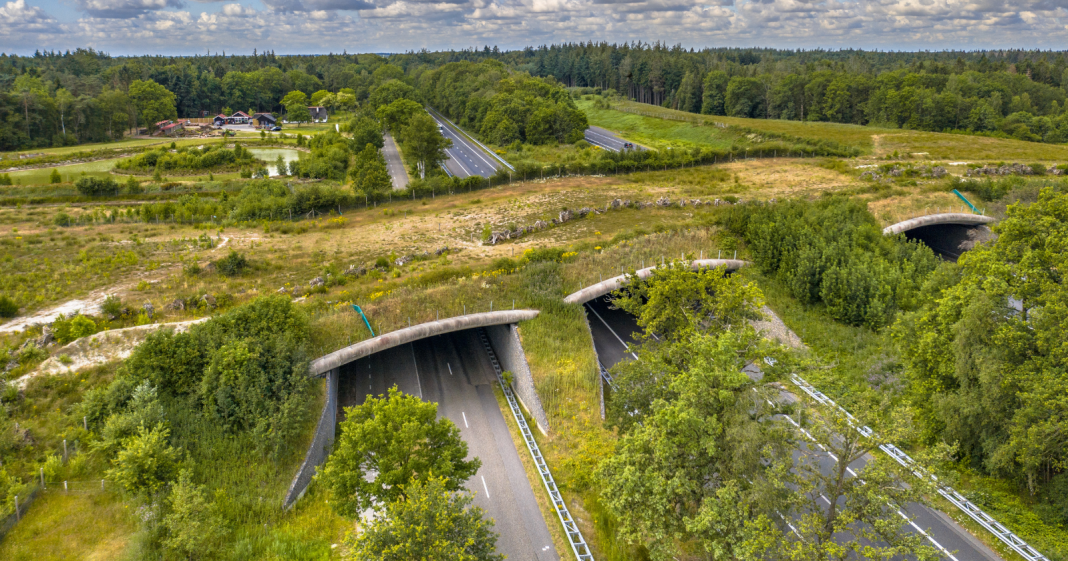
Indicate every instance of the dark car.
{"type": "Point", "coordinates": [276, 129]}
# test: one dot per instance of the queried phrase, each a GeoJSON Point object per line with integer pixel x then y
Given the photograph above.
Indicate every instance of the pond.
{"type": "Point", "coordinates": [270, 155]}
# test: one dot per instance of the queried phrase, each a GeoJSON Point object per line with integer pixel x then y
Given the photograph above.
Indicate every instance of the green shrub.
{"type": "Point", "coordinates": [96, 187]}
{"type": "Point", "coordinates": [8, 307]}
{"type": "Point", "coordinates": [133, 186]}
{"type": "Point", "coordinates": [55, 177]}
{"type": "Point", "coordinates": [112, 306]}
{"type": "Point", "coordinates": [62, 219]}
{"type": "Point", "coordinates": [67, 329]}
{"type": "Point", "coordinates": [833, 252]}
{"type": "Point", "coordinates": [5, 179]}
{"type": "Point", "coordinates": [232, 265]}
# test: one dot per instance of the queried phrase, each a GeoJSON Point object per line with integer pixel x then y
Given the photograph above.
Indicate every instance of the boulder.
{"type": "Point", "coordinates": [149, 309]}
{"type": "Point", "coordinates": [46, 337]}
{"type": "Point", "coordinates": [565, 215]}
{"type": "Point", "coordinates": [403, 260]}
{"type": "Point", "coordinates": [318, 281]}
{"type": "Point", "coordinates": [209, 301]}
{"type": "Point", "coordinates": [354, 271]}
{"type": "Point", "coordinates": [177, 306]}
{"type": "Point", "coordinates": [441, 250]}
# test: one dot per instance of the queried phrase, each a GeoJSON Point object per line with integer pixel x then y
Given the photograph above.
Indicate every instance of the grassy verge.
{"type": "Point", "coordinates": [658, 133]}
{"type": "Point", "coordinates": [90, 524]}
{"type": "Point", "coordinates": [630, 116]}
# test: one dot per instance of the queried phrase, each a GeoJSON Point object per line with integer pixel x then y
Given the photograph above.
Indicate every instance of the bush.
{"type": "Point", "coordinates": [232, 265]}
{"type": "Point", "coordinates": [97, 187]}
{"type": "Point", "coordinates": [67, 329]}
{"type": "Point", "coordinates": [62, 219]}
{"type": "Point", "coordinates": [833, 252]}
{"type": "Point", "coordinates": [55, 177]}
{"type": "Point", "coordinates": [112, 306]}
{"type": "Point", "coordinates": [8, 307]}
{"type": "Point", "coordinates": [133, 186]}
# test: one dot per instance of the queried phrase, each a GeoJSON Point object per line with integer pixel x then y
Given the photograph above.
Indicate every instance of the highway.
{"type": "Point", "coordinates": [394, 164]}
{"type": "Point", "coordinates": [454, 371]}
{"type": "Point", "coordinates": [607, 139]}
{"type": "Point", "coordinates": [616, 331]}
{"type": "Point", "coordinates": [465, 157]}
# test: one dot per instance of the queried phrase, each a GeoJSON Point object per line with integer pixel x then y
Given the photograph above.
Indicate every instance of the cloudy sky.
{"type": "Point", "coordinates": [186, 27]}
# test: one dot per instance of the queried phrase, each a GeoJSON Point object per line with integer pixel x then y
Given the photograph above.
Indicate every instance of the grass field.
{"type": "Point", "coordinates": [641, 121]}
{"type": "Point", "coordinates": [51, 265]}
{"type": "Point", "coordinates": [656, 132]}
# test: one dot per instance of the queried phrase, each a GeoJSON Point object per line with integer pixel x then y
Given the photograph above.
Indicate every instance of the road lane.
{"type": "Point", "coordinates": [394, 164]}
{"type": "Point", "coordinates": [614, 331]}
{"type": "Point", "coordinates": [465, 157]}
{"type": "Point", "coordinates": [607, 139]}
{"type": "Point", "coordinates": [454, 371]}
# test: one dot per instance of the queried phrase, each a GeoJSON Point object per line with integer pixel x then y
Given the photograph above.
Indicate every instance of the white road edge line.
{"type": "Point", "coordinates": [450, 368]}
{"type": "Point", "coordinates": [465, 420]}
{"type": "Point", "coordinates": [625, 345]}
{"type": "Point", "coordinates": [416, 365]}
{"type": "Point", "coordinates": [464, 142]}
{"type": "Point", "coordinates": [484, 486]}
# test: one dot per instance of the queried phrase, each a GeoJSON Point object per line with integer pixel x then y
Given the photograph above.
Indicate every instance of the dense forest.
{"type": "Point", "coordinates": [55, 99]}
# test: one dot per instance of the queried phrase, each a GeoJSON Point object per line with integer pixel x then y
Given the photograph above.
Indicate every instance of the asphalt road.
{"type": "Point", "coordinates": [454, 371]}
{"type": "Point", "coordinates": [616, 331]}
{"type": "Point", "coordinates": [394, 164]}
{"type": "Point", "coordinates": [465, 157]}
{"type": "Point", "coordinates": [606, 139]}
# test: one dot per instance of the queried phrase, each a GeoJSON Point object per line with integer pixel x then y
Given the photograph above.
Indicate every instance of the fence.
{"type": "Point", "coordinates": [320, 446]}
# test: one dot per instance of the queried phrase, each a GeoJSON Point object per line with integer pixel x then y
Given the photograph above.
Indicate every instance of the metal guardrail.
{"type": "Point", "coordinates": [574, 535]}
{"type": "Point", "coordinates": [473, 139]}
{"type": "Point", "coordinates": [607, 376]}
{"type": "Point", "coordinates": [974, 512]}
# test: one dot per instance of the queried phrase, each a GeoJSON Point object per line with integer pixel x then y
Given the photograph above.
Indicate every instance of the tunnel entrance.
{"type": "Point", "coordinates": [453, 370]}
{"type": "Point", "coordinates": [949, 241]}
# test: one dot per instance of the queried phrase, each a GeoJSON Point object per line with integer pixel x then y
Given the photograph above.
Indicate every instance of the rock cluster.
{"type": "Point", "coordinates": [1006, 169]}
{"type": "Point", "coordinates": [927, 172]}
{"type": "Point", "coordinates": [615, 204]}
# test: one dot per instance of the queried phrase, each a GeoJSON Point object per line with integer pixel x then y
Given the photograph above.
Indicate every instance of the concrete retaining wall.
{"type": "Point", "coordinates": [320, 446]}
{"type": "Point", "coordinates": [961, 218]}
{"type": "Point", "coordinates": [385, 341]}
{"type": "Point", "coordinates": [509, 350]}
{"type": "Point", "coordinates": [615, 283]}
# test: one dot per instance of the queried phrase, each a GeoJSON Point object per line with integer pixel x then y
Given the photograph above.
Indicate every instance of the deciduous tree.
{"type": "Point", "coordinates": [385, 444]}
{"type": "Point", "coordinates": [430, 523]}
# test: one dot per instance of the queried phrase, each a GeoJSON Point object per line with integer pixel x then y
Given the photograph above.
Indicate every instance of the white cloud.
{"type": "Point", "coordinates": [124, 9]}
{"type": "Point", "coordinates": [168, 26]}
{"type": "Point", "coordinates": [18, 18]}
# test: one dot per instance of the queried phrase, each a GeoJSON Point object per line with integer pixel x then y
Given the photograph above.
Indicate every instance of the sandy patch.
{"type": "Point", "coordinates": [101, 348]}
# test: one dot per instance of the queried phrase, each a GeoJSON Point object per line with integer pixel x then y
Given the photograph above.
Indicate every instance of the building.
{"type": "Point", "coordinates": [239, 118]}
{"type": "Point", "coordinates": [318, 114]}
{"type": "Point", "coordinates": [161, 124]}
{"type": "Point", "coordinates": [264, 120]}
{"type": "Point", "coordinates": [172, 129]}
{"type": "Point", "coordinates": [219, 120]}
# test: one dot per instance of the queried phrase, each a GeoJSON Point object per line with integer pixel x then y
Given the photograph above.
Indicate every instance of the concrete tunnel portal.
{"type": "Point", "coordinates": [948, 234]}
{"type": "Point", "coordinates": [446, 362]}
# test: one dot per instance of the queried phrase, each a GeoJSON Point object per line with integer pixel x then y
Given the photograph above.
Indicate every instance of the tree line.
{"type": "Point", "coordinates": [1017, 94]}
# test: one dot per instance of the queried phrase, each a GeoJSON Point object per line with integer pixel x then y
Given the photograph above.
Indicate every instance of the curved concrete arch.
{"type": "Point", "coordinates": [615, 283]}
{"type": "Point", "coordinates": [356, 351]}
{"type": "Point", "coordinates": [959, 218]}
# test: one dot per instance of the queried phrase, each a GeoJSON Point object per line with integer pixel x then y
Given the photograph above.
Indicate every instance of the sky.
{"type": "Point", "coordinates": [187, 27]}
